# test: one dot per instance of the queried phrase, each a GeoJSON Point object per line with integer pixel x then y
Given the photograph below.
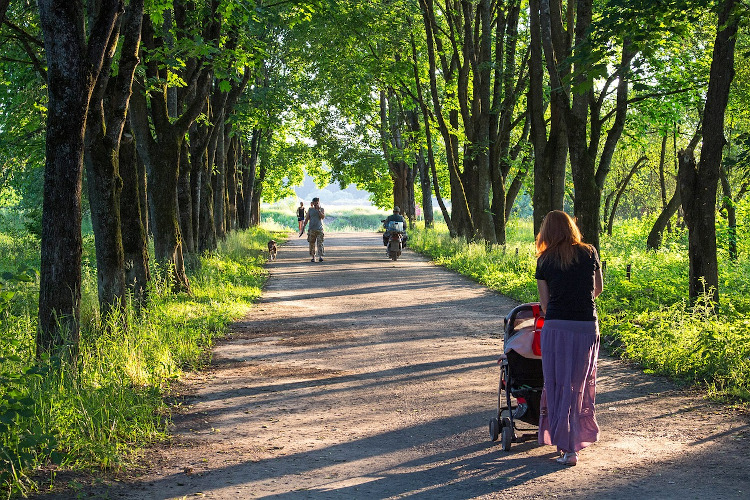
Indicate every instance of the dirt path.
{"type": "Point", "coordinates": [362, 378]}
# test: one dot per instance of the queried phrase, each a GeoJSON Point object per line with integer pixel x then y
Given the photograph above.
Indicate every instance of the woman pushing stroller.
{"type": "Point", "coordinates": [569, 278]}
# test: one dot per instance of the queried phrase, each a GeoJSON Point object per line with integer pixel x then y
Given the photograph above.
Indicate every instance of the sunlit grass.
{"type": "Point", "coordinates": [110, 403]}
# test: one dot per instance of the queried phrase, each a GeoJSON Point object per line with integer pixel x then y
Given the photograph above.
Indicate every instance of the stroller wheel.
{"type": "Point", "coordinates": [507, 433]}
{"type": "Point", "coordinates": [494, 429]}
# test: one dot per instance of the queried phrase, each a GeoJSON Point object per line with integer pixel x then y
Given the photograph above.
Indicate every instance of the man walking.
{"type": "Point", "coordinates": [315, 215]}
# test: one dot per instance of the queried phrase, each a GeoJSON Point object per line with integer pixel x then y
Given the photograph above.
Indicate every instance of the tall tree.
{"type": "Point", "coordinates": [160, 140]}
{"type": "Point", "coordinates": [74, 57]}
{"type": "Point", "coordinates": [699, 183]}
{"type": "Point", "coordinates": [584, 111]}
{"type": "Point", "coordinates": [464, 50]}
{"type": "Point", "coordinates": [550, 147]}
{"type": "Point", "coordinates": [104, 128]}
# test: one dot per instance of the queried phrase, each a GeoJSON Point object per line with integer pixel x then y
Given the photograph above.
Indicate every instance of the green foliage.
{"type": "Point", "coordinates": [509, 269]}
{"type": "Point", "coordinates": [644, 318]}
{"type": "Point", "coordinates": [98, 411]}
{"type": "Point", "coordinates": [358, 219]}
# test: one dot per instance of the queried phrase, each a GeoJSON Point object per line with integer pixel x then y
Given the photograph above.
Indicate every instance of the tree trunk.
{"type": "Point", "coordinates": [134, 236]}
{"type": "Point", "coordinates": [505, 95]}
{"type": "Point", "coordinates": [250, 177]}
{"type": "Point", "coordinates": [391, 121]}
{"type": "Point", "coordinates": [104, 127]}
{"type": "Point", "coordinates": [514, 188]}
{"type": "Point", "coordinates": [218, 182]}
{"type": "Point", "coordinates": [461, 218]}
{"type": "Point", "coordinates": [73, 66]}
{"type": "Point", "coordinates": [163, 179]}
{"type": "Point", "coordinates": [654, 239]}
{"type": "Point", "coordinates": [729, 205]}
{"type": "Point", "coordinates": [426, 189]}
{"type": "Point", "coordinates": [662, 177]}
{"type": "Point", "coordinates": [585, 124]}
{"type": "Point", "coordinates": [207, 229]}
{"type": "Point", "coordinates": [105, 185]}
{"type": "Point", "coordinates": [240, 179]}
{"type": "Point", "coordinates": [232, 153]}
{"type": "Point", "coordinates": [430, 152]}
{"type": "Point", "coordinates": [653, 242]}
{"type": "Point", "coordinates": [550, 152]}
{"type": "Point", "coordinates": [701, 259]}
{"type": "Point", "coordinates": [143, 194]}
{"type": "Point", "coordinates": [482, 71]}
{"type": "Point", "coordinates": [698, 186]}
{"type": "Point", "coordinates": [185, 200]}
{"type": "Point", "coordinates": [162, 162]}
{"type": "Point", "coordinates": [255, 210]}
{"type": "Point", "coordinates": [207, 234]}
{"type": "Point", "coordinates": [198, 140]}
{"type": "Point", "coordinates": [159, 144]}
{"type": "Point", "coordinates": [401, 196]}
{"type": "Point", "coordinates": [587, 198]}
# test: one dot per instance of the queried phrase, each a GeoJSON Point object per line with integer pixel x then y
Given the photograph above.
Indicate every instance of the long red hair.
{"type": "Point", "coordinates": [559, 239]}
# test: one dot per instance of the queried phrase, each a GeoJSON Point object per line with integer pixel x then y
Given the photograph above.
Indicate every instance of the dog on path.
{"type": "Point", "coordinates": [272, 250]}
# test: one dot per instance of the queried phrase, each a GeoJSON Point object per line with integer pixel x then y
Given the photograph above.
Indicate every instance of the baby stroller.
{"type": "Point", "coordinates": [521, 376]}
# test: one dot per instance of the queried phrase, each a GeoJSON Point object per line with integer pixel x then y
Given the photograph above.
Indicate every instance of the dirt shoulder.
{"type": "Point", "coordinates": [359, 377]}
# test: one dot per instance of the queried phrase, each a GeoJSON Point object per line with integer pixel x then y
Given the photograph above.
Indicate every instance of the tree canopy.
{"type": "Point", "coordinates": [586, 105]}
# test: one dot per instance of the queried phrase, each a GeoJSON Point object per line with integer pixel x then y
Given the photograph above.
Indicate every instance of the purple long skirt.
{"type": "Point", "coordinates": [569, 353]}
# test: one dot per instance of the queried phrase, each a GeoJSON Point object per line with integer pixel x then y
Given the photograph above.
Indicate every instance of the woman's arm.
{"type": "Point", "coordinates": [541, 285]}
{"type": "Point", "coordinates": [598, 282]}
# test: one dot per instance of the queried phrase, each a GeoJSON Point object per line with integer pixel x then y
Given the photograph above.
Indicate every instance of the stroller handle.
{"type": "Point", "coordinates": [534, 307]}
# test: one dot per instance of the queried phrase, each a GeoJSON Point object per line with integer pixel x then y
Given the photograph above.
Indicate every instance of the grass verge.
{"type": "Point", "coordinates": [95, 413]}
{"type": "Point", "coordinates": [644, 314]}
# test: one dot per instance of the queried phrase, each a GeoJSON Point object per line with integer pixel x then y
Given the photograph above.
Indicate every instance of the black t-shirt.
{"type": "Point", "coordinates": [301, 213]}
{"type": "Point", "coordinates": [571, 292]}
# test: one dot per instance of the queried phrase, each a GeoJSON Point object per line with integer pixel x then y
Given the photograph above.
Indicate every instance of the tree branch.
{"type": "Point", "coordinates": [24, 39]}
{"type": "Point", "coordinates": [648, 96]}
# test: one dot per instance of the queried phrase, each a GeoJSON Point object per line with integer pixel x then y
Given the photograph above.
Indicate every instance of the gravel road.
{"type": "Point", "coordinates": [359, 377]}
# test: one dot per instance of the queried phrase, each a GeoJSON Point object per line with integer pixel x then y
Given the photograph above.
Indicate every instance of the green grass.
{"type": "Point", "coordinates": [646, 318]}
{"type": "Point", "coordinates": [96, 413]}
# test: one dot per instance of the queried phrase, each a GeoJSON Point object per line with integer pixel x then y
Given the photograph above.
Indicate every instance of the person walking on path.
{"type": "Point", "coordinates": [569, 278]}
{"type": "Point", "coordinates": [315, 216]}
{"type": "Point", "coordinates": [301, 215]}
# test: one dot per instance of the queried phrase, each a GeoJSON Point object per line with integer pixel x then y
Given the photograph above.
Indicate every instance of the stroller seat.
{"type": "Point", "coordinates": [521, 377]}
